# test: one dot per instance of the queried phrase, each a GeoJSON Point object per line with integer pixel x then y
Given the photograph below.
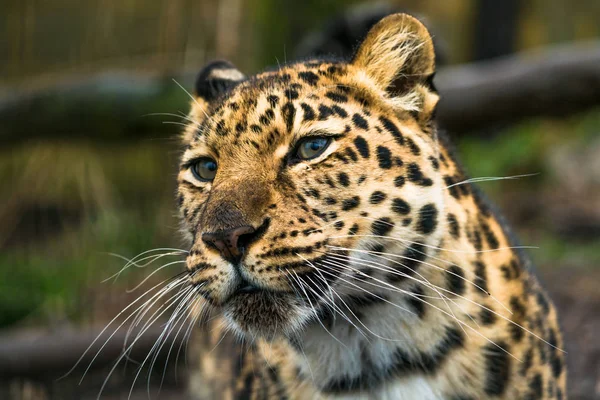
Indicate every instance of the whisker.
{"type": "Point", "coordinates": [469, 300]}
{"type": "Point", "coordinates": [175, 123]}
{"type": "Point", "coordinates": [358, 319]}
{"type": "Point", "coordinates": [335, 307]}
{"type": "Point", "coordinates": [147, 307]}
{"type": "Point", "coordinates": [153, 273]}
{"type": "Point", "coordinates": [178, 280]}
{"type": "Point", "coordinates": [186, 337]}
{"type": "Point", "coordinates": [302, 287]}
{"type": "Point", "coordinates": [432, 286]}
{"type": "Point", "coordinates": [162, 339]}
{"type": "Point", "coordinates": [193, 99]}
{"type": "Point", "coordinates": [130, 347]}
{"type": "Point", "coordinates": [142, 313]}
{"type": "Point", "coordinates": [385, 268]}
{"type": "Point", "coordinates": [181, 115]}
{"type": "Point", "coordinates": [398, 290]}
{"type": "Point", "coordinates": [183, 313]}
{"type": "Point", "coordinates": [490, 178]}
{"type": "Point", "coordinates": [221, 339]}
{"type": "Point", "coordinates": [377, 254]}
{"type": "Point", "coordinates": [321, 275]}
{"type": "Point", "coordinates": [424, 282]}
{"type": "Point", "coordinates": [340, 266]}
{"type": "Point", "coordinates": [454, 318]}
{"type": "Point", "coordinates": [135, 261]}
{"type": "Point", "coordinates": [435, 247]}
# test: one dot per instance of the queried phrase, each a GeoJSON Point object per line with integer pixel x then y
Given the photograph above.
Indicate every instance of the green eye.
{"type": "Point", "coordinates": [204, 169]}
{"type": "Point", "coordinates": [312, 147]}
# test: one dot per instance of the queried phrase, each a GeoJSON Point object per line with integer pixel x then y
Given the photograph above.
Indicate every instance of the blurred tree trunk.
{"type": "Point", "coordinates": [496, 28]}
{"type": "Point", "coordinates": [228, 28]}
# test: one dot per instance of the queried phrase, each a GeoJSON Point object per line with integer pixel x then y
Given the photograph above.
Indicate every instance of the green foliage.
{"type": "Point", "coordinates": [46, 282]}
{"type": "Point", "coordinates": [124, 198]}
{"type": "Point", "coordinates": [510, 152]}
{"type": "Point", "coordinates": [526, 148]}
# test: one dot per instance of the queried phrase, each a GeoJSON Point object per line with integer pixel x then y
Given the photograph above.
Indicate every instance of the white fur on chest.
{"type": "Point", "coordinates": [416, 388]}
{"type": "Point", "coordinates": [326, 358]}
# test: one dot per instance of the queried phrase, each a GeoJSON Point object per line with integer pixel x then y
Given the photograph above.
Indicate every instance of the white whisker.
{"type": "Point", "coordinates": [152, 273]}
{"type": "Point", "coordinates": [136, 262]}
{"type": "Point", "coordinates": [490, 178]}
{"type": "Point", "coordinates": [144, 329]}
{"type": "Point", "coordinates": [302, 287]}
{"type": "Point", "coordinates": [193, 99]}
{"type": "Point", "coordinates": [177, 282]}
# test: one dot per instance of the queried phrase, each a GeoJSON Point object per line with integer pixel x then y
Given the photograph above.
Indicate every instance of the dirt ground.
{"type": "Point", "coordinates": [576, 294]}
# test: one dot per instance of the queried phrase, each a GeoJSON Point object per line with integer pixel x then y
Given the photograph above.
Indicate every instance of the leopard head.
{"type": "Point", "coordinates": [294, 180]}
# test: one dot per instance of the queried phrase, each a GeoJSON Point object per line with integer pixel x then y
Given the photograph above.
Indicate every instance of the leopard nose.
{"type": "Point", "coordinates": [230, 243]}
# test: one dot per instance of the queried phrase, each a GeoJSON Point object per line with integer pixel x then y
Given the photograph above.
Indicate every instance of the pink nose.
{"type": "Point", "coordinates": [228, 243]}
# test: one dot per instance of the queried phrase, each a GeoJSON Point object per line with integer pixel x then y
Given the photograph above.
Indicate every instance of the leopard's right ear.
{"type": "Point", "coordinates": [215, 79]}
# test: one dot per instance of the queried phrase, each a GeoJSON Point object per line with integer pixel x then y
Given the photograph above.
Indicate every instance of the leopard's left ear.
{"type": "Point", "coordinates": [398, 55]}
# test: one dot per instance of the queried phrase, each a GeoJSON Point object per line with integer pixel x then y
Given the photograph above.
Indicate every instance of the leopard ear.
{"type": "Point", "coordinates": [397, 54]}
{"type": "Point", "coordinates": [215, 79]}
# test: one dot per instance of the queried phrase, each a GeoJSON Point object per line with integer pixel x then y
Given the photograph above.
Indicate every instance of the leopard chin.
{"type": "Point", "coordinates": [265, 314]}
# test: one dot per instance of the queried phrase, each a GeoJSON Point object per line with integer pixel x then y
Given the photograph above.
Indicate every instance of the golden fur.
{"type": "Point", "coordinates": [379, 271]}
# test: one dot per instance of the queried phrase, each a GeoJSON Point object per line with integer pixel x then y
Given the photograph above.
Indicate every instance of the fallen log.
{"type": "Point", "coordinates": [50, 356]}
{"type": "Point", "coordinates": [552, 82]}
{"type": "Point", "coordinates": [555, 81]}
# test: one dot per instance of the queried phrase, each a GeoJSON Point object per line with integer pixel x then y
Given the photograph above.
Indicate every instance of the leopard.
{"type": "Point", "coordinates": [340, 246]}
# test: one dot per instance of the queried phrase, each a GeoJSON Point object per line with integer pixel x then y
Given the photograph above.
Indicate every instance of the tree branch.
{"type": "Point", "coordinates": [52, 355]}
{"type": "Point", "coordinates": [555, 81]}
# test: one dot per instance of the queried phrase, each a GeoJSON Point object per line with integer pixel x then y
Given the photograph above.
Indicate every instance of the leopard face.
{"type": "Point", "coordinates": [292, 179]}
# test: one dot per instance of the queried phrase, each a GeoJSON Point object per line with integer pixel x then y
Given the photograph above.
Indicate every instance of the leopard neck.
{"type": "Point", "coordinates": [450, 292]}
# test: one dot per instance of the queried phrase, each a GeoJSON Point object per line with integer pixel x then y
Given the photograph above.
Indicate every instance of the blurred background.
{"type": "Point", "coordinates": [89, 114]}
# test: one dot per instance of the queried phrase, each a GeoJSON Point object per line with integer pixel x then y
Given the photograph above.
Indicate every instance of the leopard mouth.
{"type": "Point", "coordinates": [247, 287]}
{"type": "Point", "coordinates": [260, 312]}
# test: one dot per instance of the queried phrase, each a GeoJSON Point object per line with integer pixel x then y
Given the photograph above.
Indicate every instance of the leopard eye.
{"type": "Point", "coordinates": [312, 147]}
{"type": "Point", "coordinates": [204, 169]}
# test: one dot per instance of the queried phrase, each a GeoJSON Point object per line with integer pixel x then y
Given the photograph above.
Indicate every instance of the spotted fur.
{"type": "Point", "coordinates": [373, 270]}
